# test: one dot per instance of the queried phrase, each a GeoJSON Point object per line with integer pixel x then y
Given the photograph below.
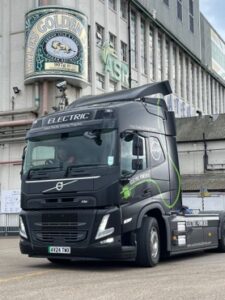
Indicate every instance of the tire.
{"type": "Point", "coordinates": [148, 243]}
{"type": "Point", "coordinates": [59, 261]}
{"type": "Point", "coordinates": [222, 241]}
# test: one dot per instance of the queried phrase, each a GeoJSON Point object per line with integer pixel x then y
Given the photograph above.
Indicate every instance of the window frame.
{"type": "Point", "coordinates": [180, 10]}
{"type": "Point", "coordinates": [144, 156]}
{"type": "Point", "coordinates": [101, 33]}
{"type": "Point", "coordinates": [191, 16]}
{"type": "Point", "coordinates": [166, 2]}
{"type": "Point", "coordinates": [112, 4]}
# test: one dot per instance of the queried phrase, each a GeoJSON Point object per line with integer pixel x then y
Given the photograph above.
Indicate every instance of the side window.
{"type": "Point", "coordinates": [41, 153]}
{"type": "Point", "coordinates": [127, 156]}
{"type": "Point", "coordinates": [156, 152]}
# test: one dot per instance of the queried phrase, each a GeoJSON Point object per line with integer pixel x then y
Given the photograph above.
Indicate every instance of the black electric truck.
{"type": "Point", "coordinates": [120, 196]}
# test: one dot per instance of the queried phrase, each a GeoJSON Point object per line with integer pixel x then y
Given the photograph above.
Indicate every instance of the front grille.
{"type": "Point", "coordinates": [59, 237]}
{"type": "Point", "coordinates": [60, 228]}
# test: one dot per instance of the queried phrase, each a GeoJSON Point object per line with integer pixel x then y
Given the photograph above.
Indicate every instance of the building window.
{"type": "Point", "coordinates": [159, 63]}
{"type": "Point", "coordinates": [191, 15]}
{"type": "Point", "coordinates": [99, 35]}
{"type": "Point", "coordinates": [112, 86]}
{"type": "Point", "coordinates": [166, 2]}
{"type": "Point", "coordinates": [124, 52]}
{"type": "Point", "coordinates": [174, 70]}
{"type": "Point", "coordinates": [180, 69]}
{"type": "Point", "coordinates": [112, 41]}
{"type": "Point", "coordinates": [193, 82]}
{"type": "Point", "coordinates": [151, 59]}
{"type": "Point", "coordinates": [100, 80]}
{"type": "Point", "coordinates": [123, 9]}
{"type": "Point", "coordinates": [187, 79]}
{"type": "Point", "coordinates": [197, 87]}
{"type": "Point", "coordinates": [167, 60]}
{"type": "Point", "coordinates": [133, 40]}
{"type": "Point", "coordinates": [179, 9]}
{"type": "Point", "coordinates": [143, 48]}
{"type": "Point", "coordinates": [112, 4]}
{"type": "Point", "coordinates": [191, 7]}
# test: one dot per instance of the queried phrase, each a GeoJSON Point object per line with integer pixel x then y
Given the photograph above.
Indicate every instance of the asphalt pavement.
{"type": "Point", "coordinates": [198, 276]}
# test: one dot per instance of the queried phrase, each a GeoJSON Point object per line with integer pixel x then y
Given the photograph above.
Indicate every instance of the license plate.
{"type": "Point", "coordinates": [59, 250]}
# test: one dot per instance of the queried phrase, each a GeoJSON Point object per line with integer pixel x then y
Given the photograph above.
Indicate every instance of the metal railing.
{"type": "Point", "coordinates": [9, 224]}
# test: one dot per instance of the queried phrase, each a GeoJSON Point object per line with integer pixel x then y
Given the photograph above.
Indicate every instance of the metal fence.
{"type": "Point", "coordinates": [9, 224]}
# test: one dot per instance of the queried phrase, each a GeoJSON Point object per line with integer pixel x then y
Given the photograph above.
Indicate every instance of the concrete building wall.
{"type": "Point", "coordinates": [168, 60]}
{"type": "Point", "coordinates": [191, 157]}
{"type": "Point", "coordinates": [206, 42]}
{"type": "Point", "coordinates": [167, 15]}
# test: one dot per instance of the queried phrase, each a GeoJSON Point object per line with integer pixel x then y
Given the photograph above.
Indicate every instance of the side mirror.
{"type": "Point", "coordinates": [138, 146]}
{"type": "Point", "coordinates": [137, 164]}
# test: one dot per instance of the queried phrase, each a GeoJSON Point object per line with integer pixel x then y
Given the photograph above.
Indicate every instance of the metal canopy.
{"type": "Point", "coordinates": [162, 87]}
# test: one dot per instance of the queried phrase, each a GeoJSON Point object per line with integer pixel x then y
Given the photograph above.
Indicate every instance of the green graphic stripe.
{"type": "Point", "coordinates": [127, 190]}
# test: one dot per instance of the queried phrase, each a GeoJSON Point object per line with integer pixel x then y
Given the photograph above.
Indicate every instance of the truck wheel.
{"type": "Point", "coordinates": [148, 243]}
{"type": "Point", "coordinates": [59, 261]}
{"type": "Point", "coordinates": [222, 241]}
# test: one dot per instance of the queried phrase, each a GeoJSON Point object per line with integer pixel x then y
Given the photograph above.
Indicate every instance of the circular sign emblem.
{"type": "Point", "coordinates": [61, 47]}
{"type": "Point", "coordinates": [59, 186]}
{"type": "Point", "coordinates": [155, 149]}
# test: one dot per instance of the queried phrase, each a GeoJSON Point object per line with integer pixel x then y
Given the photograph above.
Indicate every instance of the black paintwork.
{"type": "Point", "coordinates": [78, 208]}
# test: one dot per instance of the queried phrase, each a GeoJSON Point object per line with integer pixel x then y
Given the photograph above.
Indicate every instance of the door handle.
{"type": "Point", "coordinates": [147, 192]}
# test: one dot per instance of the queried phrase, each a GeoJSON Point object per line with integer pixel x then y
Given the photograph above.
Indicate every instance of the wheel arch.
{"type": "Point", "coordinates": [156, 211]}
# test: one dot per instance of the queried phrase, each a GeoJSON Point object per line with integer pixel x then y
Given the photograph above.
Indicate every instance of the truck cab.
{"type": "Point", "coordinates": [101, 180]}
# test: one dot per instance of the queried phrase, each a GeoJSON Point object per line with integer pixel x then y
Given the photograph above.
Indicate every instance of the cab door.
{"type": "Point", "coordinates": [158, 161]}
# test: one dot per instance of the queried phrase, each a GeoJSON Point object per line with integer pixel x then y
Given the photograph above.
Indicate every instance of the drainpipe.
{"type": "Point", "coordinates": [14, 162]}
{"type": "Point", "coordinates": [129, 43]}
{"type": "Point", "coordinates": [21, 111]}
{"type": "Point", "coordinates": [205, 156]}
{"type": "Point", "coordinates": [16, 123]}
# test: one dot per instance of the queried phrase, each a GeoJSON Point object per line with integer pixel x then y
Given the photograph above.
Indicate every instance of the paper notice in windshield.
{"type": "Point", "coordinates": [110, 160]}
{"type": "Point", "coordinates": [10, 201]}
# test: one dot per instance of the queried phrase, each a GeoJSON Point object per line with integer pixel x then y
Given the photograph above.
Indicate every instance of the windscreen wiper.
{"type": "Point", "coordinates": [79, 168]}
{"type": "Point", "coordinates": [40, 171]}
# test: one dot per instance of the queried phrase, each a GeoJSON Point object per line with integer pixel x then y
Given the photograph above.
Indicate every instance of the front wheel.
{"type": "Point", "coordinates": [148, 243]}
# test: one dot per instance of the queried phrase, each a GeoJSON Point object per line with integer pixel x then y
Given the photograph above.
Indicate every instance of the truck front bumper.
{"type": "Point", "coordinates": [84, 233]}
{"type": "Point", "coordinates": [100, 251]}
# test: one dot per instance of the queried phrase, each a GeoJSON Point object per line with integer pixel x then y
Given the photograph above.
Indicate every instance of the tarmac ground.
{"type": "Point", "coordinates": [196, 276]}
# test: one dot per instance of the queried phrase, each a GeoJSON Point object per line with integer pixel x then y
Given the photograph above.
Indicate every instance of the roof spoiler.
{"type": "Point", "coordinates": [162, 87]}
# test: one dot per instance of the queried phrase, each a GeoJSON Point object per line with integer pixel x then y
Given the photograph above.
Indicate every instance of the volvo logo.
{"type": "Point", "coordinates": [65, 182]}
{"type": "Point", "coordinates": [59, 186]}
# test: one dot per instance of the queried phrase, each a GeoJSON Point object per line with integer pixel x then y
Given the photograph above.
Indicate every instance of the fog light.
{"type": "Point", "coordinates": [22, 229]}
{"type": "Point", "coordinates": [107, 241]}
{"type": "Point", "coordinates": [102, 230]}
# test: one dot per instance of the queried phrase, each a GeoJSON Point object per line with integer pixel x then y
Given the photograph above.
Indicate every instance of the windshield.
{"type": "Point", "coordinates": [87, 148]}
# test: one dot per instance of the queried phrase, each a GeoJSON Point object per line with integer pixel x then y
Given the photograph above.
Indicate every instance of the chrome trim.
{"type": "Point", "coordinates": [63, 179]}
{"type": "Point", "coordinates": [55, 187]}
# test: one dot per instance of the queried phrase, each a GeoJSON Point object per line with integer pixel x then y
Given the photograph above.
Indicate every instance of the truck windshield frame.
{"type": "Point", "coordinates": [83, 148]}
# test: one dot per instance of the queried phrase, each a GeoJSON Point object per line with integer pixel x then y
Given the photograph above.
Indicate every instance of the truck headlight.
{"type": "Point", "coordinates": [102, 230]}
{"type": "Point", "coordinates": [22, 229]}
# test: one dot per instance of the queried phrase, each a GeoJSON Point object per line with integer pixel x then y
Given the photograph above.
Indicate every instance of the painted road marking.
{"type": "Point", "coordinates": [21, 277]}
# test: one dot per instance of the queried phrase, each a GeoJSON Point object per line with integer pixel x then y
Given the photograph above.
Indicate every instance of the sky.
{"type": "Point", "coordinates": [214, 11]}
